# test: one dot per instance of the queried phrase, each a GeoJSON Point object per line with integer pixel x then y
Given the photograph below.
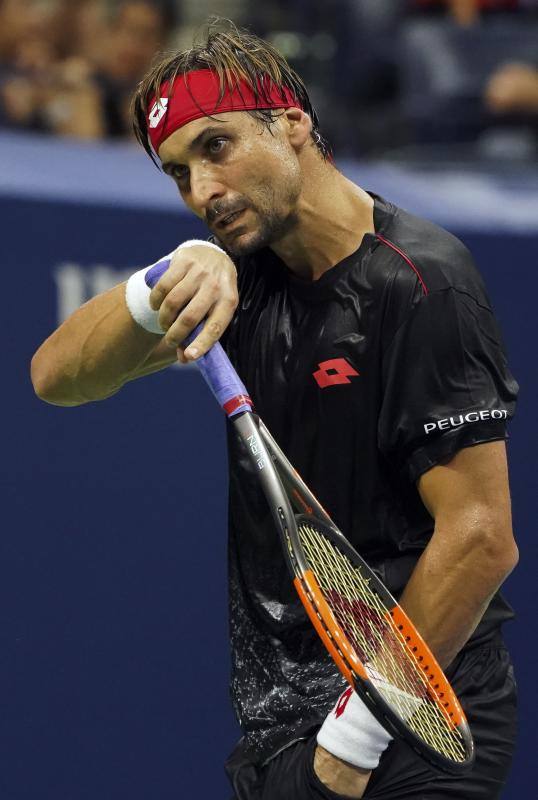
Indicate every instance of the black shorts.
{"type": "Point", "coordinates": [483, 679]}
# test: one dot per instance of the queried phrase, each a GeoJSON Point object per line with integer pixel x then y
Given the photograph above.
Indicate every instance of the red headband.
{"type": "Point", "coordinates": [197, 94]}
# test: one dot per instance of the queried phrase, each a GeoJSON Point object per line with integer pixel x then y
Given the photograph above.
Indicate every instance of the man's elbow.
{"type": "Point", "coordinates": [49, 385]}
{"type": "Point", "coordinates": [509, 557]}
{"type": "Point", "coordinates": [496, 547]}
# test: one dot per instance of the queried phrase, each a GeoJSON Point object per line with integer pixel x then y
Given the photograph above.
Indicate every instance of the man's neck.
{"type": "Point", "coordinates": [333, 216]}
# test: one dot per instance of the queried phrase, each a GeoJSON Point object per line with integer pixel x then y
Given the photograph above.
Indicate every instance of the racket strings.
{"type": "Point", "coordinates": [391, 667]}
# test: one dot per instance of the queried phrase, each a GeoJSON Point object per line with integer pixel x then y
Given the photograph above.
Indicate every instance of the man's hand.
{"type": "Point", "coordinates": [338, 776]}
{"type": "Point", "coordinates": [200, 284]}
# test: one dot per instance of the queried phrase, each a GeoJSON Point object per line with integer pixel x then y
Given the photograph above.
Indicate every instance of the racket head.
{"type": "Point", "coordinates": [377, 648]}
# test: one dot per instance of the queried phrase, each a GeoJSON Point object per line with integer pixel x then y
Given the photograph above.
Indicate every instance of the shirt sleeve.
{"type": "Point", "coordinates": [445, 382]}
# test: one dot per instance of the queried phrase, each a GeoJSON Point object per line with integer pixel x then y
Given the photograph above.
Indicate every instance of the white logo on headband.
{"type": "Point", "coordinates": [158, 111]}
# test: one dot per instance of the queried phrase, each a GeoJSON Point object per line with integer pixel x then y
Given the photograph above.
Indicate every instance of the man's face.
{"type": "Point", "coordinates": [243, 179]}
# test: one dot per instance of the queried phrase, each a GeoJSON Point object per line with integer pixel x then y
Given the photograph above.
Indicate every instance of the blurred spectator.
{"type": "Point", "coordinates": [136, 32]}
{"type": "Point", "coordinates": [79, 28]}
{"type": "Point", "coordinates": [26, 53]}
{"type": "Point", "coordinates": [70, 68]}
{"type": "Point", "coordinates": [382, 73]}
{"type": "Point", "coordinates": [456, 73]}
{"type": "Point", "coordinates": [346, 53]}
{"type": "Point", "coordinates": [513, 88]}
{"type": "Point", "coordinates": [72, 103]}
{"type": "Point", "coordinates": [466, 12]}
{"type": "Point", "coordinates": [375, 113]}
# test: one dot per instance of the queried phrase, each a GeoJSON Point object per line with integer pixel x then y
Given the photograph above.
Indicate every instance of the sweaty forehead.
{"type": "Point", "coordinates": [177, 145]}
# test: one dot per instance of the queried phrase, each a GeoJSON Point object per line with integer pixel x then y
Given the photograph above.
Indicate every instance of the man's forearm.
{"type": "Point", "coordinates": [451, 587]}
{"type": "Point", "coordinates": [472, 549]}
{"type": "Point", "coordinates": [94, 352]}
{"type": "Point", "coordinates": [101, 347]}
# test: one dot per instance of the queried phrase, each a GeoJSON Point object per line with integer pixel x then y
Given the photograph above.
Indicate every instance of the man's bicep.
{"type": "Point", "coordinates": [472, 484]}
{"type": "Point", "coordinates": [446, 383]}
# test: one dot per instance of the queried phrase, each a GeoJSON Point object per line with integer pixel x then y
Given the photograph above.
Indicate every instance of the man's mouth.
{"type": "Point", "coordinates": [228, 219]}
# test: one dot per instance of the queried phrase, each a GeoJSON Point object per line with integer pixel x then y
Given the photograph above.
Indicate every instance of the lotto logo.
{"type": "Point", "coordinates": [158, 111]}
{"type": "Point", "coordinates": [343, 700]}
{"type": "Point", "coordinates": [333, 372]}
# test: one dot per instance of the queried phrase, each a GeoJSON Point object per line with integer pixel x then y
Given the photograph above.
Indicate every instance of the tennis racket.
{"type": "Point", "coordinates": [371, 640]}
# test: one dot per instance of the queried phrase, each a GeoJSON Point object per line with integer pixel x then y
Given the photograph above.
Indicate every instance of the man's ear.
{"type": "Point", "coordinates": [299, 127]}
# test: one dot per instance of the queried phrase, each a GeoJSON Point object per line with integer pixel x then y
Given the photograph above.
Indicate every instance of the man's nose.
{"type": "Point", "coordinates": [205, 189]}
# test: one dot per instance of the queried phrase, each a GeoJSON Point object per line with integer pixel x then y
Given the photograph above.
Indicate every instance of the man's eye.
{"type": "Point", "coordinates": [216, 145]}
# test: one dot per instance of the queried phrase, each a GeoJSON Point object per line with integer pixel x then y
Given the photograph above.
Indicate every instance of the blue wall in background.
{"type": "Point", "coordinates": [102, 578]}
{"type": "Point", "coordinates": [113, 551]}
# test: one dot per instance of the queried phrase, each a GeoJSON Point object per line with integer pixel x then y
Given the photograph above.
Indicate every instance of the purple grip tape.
{"type": "Point", "coordinates": [223, 380]}
{"type": "Point", "coordinates": [156, 272]}
{"type": "Point", "coordinates": [215, 365]}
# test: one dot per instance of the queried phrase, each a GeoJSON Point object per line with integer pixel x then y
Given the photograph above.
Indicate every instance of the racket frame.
{"type": "Point", "coordinates": [280, 481]}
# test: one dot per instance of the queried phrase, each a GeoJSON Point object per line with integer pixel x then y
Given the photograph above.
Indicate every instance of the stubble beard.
{"type": "Point", "coordinates": [272, 226]}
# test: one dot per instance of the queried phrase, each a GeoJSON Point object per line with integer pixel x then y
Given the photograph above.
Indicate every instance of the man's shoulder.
{"type": "Point", "coordinates": [425, 257]}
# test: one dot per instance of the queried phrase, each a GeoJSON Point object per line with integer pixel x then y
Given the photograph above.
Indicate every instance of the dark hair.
{"type": "Point", "coordinates": [235, 55]}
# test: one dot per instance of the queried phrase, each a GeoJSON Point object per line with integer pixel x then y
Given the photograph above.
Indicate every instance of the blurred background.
{"type": "Point", "coordinates": [431, 103]}
{"type": "Point", "coordinates": [388, 76]}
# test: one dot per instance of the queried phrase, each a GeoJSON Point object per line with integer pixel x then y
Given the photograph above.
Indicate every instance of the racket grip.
{"type": "Point", "coordinates": [215, 365]}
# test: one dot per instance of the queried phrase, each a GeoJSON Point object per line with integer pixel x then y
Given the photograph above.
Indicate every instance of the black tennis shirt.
{"type": "Point", "coordinates": [389, 363]}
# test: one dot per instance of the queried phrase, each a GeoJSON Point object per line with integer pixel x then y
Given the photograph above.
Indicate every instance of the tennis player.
{"type": "Point", "coordinates": [368, 344]}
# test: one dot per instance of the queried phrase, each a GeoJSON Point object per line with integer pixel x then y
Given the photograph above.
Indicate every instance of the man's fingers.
{"type": "Point", "coordinates": [214, 326]}
{"type": "Point", "coordinates": [181, 294]}
{"type": "Point", "coordinates": [175, 301]}
{"type": "Point", "coordinates": [176, 305]}
{"type": "Point", "coordinates": [210, 333]}
{"type": "Point", "coordinates": [187, 320]}
{"type": "Point", "coordinates": [188, 293]}
{"type": "Point", "coordinates": [216, 322]}
{"type": "Point", "coordinates": [173, 275]}
{"type": "Point", "coordinates": [181, 356]}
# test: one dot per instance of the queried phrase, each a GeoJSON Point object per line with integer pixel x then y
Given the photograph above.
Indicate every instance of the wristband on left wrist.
{"type": "Point", "coordinates": [137, 291]}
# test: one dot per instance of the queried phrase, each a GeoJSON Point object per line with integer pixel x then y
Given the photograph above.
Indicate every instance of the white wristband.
{"type": "Point", "coordinates": [137, 294]}
{"type": "Point", "coordinates": [352, 733]}
{"type": "Point", "coordinates": [196, 242]}
{"type": "Point", "coordinates": [137, 291]}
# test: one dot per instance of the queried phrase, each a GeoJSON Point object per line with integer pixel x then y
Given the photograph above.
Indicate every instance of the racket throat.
{"type": "Point", "coordinates": [246, 426]}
